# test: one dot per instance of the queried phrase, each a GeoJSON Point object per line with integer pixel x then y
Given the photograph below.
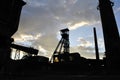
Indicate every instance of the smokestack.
{"type": "Point", "coordinates": [96, 44]}
{"type": "Point", "coordinates": [110, 31]}
{"type": "Point", "coordinates": [111, 35]}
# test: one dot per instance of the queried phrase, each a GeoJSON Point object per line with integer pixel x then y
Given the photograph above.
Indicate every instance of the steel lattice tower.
{"type": "Point", "coordinates": [62, 49]}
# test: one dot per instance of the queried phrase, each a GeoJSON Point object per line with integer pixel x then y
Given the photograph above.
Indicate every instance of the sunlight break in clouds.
{"type": "Point", "coordinates": [27, 40]}
{"type": "Point", "coordinates": [30, 37]}
{"type": "Point", "coordinates": [77, 25]}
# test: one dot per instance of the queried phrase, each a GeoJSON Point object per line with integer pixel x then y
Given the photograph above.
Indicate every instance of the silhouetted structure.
{"type": "Point", "coordinates": [111, 35]}
{"type": "Point", "coordinates": [62, 47]}
{"type": "Point", "coordinates": [28, 50]}
{"type": "Point", "coordinates": [9, 21]}
{"type": "Point", "coordinates": [63, 61]}
{"type": "Point", "coordinates": [9, 16]}
{"type": "Point", "coordinates": [62, 53]}
{"type": "Point", "coordinates": [96, 44]}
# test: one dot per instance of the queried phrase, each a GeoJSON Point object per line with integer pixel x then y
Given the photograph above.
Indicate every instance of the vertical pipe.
{"type": "Point", "coordinates": [96, 44]}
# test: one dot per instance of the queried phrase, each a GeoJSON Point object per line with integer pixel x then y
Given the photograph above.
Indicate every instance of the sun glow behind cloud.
{"type": "Point", "coordinates": [77, 25]}
{"type": "Point", "coordinates": [27, 40]}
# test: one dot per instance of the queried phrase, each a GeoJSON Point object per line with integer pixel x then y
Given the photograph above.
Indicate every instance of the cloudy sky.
{"type": "Point", "coordinates": [41, 21]}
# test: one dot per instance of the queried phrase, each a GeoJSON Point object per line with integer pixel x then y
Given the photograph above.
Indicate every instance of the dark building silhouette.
{"type": "Point", "coordinates": [111, 35]}
{"type": "Point", "coordinates": [9, 16]}
{"type": "Point", "coordinates": [9, 21]}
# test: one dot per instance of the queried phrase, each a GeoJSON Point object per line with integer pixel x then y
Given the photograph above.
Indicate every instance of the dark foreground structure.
{"type": "Point", "coordinates": [9, 21]}
{"type": "Point", "coordinates": [63, 64]}
{"type": "Point", "coordinates": [111, 36]}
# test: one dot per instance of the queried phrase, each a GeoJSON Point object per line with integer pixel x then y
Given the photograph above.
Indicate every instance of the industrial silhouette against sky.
{"type": "Point", "coordinates": [62, 60]}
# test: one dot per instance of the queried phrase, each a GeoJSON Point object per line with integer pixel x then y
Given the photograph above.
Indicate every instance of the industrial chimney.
{"type": "Point", "coordinates": [111, 35]}
{"type": "Point", "coordinates": [96, 45]}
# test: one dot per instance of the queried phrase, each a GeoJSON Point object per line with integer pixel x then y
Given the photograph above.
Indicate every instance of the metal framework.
{"type": "Point", "coordinates": [17, 54]}
{"type": "Point", "coordinates": [63, 45]}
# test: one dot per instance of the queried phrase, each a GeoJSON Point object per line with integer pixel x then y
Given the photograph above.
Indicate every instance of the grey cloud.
{"type": "Point", "coordinates": [87, 49]}
{"type": "Point", "coordinates": [49, 42]}
{"type": "Point", "coordinates": [74, 13]}
{"type": "Point", "coordinates": [49, 16]}
{"type": "Point", "coordinates": [87, 52]}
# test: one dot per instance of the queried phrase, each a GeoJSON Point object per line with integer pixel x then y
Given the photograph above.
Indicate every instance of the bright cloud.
{"type": "Point", "coordinates": [42, 51]}
{"type": "Point", "coordinates": [27, 40]}
{"type": "Point", "coordinates": [28, 37]}
{"type": "Point", "coordinates": [84, 42]}
{"type": "Point", "coordinates": [77, 25]}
